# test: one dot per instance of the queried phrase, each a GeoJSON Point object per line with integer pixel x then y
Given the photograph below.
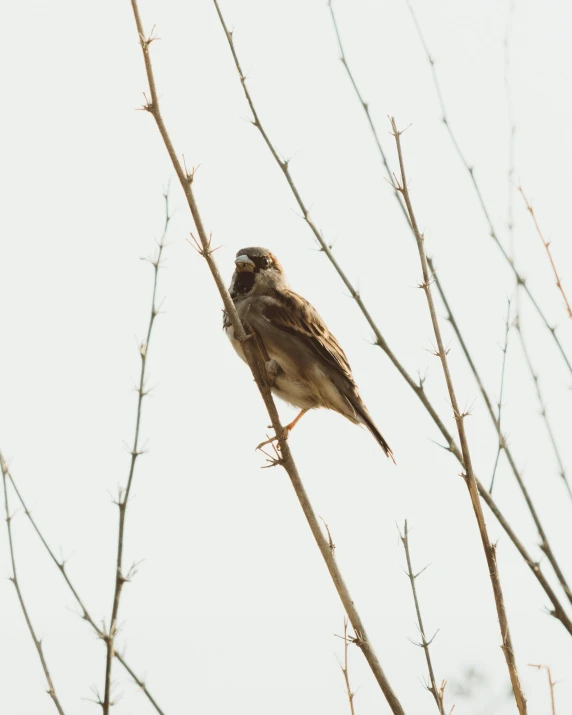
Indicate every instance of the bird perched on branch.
{"type": "Point", "coordinates": [305, 364]}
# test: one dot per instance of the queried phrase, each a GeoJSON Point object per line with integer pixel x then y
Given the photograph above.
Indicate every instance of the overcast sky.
{"type": "Point", "coordinates": [232, 609]}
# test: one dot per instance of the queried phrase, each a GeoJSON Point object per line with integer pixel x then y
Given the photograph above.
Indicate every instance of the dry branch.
{"type": "Point", "coordinates": [510, 211]}
{"type": "Point", "coordinates": [546, 245]}
{"type": "Point", "coordinates": [351, 693]}
{"type": "Point", "coordinates": [542, 407]}
{"type": "Point", "coordinates": [551, 684]}
{"type": "Point", "coordinates": [80, 602]}
{"type": "Point", "coordinates": [14, 579]}
{"type": "Point", "coordinates": [471, 170]}
{"type": "Point", "coordinates": [120, 577]}
{"type": "Point", "coordinates": [256, 363]}
{"type": "Point", "coordinates": [61, 564]}
{"type": "Point", "coordinates": [417, 386]}
{"type": "Point", "coordinates": [365, 107]}
{"type": "Point", "coordinates": [438, 693]}
{"type": "Point", "coordinates": [544, 543]}
{"type": "Point", "coordinates": [512, 133]}
{"type": "Point", "coordinates": [502, 438]}
{"type": "Point", "coordinates": [489, 549]}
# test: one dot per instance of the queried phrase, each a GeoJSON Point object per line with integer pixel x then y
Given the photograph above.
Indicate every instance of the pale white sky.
{"type": "Point", "coordinates": [232, 610]}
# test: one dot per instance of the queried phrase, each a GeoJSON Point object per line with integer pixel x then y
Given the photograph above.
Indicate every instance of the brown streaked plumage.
{"type": "Point", "coordinates": [306, 365]}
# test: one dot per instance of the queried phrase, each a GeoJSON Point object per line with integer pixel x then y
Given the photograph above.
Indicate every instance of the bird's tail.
{"type": "Point", "coordinates": [368, 422]}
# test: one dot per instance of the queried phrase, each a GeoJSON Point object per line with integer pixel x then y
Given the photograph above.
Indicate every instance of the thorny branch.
{"type": "Point", "coordinates": [543, 408]}
{"type": "Point", "coordinates": [365, 107]}
{"type": "Point", "coordinates": [544, 543]}
{"type": "Point", "coordinates": [519, 280]}
{"type": "Point", "coordinates": [471, 170]}
{"type": "Point", "coordinates": [551, 684]}
{"type": "Point", "coordinates": [512, 134]}
{"type": "Point", "coordinates": [417, 386]}
{"type": "Point", "coordinates": [121, 577]}
{"type": "Point", "coordinates": [84, 612]}
{"type": "Point", "coordinates": [351, 693]}
{"type": "Point", "coordinates": [14, 579]}
{"type": "Point", "coordinates": [490, 550]}
{"type": "Point", "coordinates": [546, 245]}
{"type": "Point", "coordinates": [255, 362]}
{"type": "Point", "coordinates": [438, 693]}
{"type": "Point", "coordinates": [502, 438]}
{"type": "Point", "coordinates": [511, 190]}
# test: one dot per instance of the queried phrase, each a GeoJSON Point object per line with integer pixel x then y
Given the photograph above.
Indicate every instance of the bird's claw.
{"type": "Point", "coordinates": [271, 440]}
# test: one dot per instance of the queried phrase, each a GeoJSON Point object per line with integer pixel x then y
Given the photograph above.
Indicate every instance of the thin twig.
{"type": "Point", "coordinates": [546, 245]}
{"type": "Point", "coordinates": [512, 133]}
{"type": "Point", "coordinates": [351, 694]}
{"type": "Point", "coordinates": [365, 107]}
{"type": "Point", "coordinates": [510, 226]}
{"type": "Point", "coordinates": [471, 170]}
{"type": "Point", "coordinates": [80, 602]}
{"type": "Point", "coordinates": [544, 543]}
{"type": "Point", "coordinates": [543, 408]}
{"type": "Point", "coordinates": [14, 579]}
{"type": "Point", "coordinates": [489, 549]}
{"type": "Point", "coordinates": [510, 223]}
{"type": "Point", "coordinates": [502, 438]}
{"type": "Point", "coordinates": [551, 684]}
{"type": "Point", "coordinates": [120, 577]}
{"type": "Point", "coordinates": [256, 363]}
{"type": "Point", "coordinates": [438, 693]}
{"type": "Point", "coordinates": [417, 386]}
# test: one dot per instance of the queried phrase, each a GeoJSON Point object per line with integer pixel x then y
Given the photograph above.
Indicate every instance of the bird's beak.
{"type": "Point", "coordinates": [243, 263]}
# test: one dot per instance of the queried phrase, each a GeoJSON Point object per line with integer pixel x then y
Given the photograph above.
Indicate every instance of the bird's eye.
{"type": "Point", "coordinates": [266, 262]}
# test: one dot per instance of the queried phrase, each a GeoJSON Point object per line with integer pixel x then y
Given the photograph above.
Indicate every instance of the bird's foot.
{"type": "Point", "coordinates": [271, 440]}
{"type": "Point", "coordinates": [287, 428]}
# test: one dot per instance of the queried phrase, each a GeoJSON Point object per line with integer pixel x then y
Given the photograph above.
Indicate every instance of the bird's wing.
{"type": "Point", "coordinates": [293, 314]}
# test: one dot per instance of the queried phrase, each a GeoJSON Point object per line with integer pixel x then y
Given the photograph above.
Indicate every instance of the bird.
{"type": "Point", "coordinates": [305, 365]}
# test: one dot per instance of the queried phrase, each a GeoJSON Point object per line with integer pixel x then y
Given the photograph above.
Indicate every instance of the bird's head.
{"type": "Point", "coordinates": [258, 272]}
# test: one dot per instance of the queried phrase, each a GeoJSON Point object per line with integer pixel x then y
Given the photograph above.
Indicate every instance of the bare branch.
{"type": "Point", "coordinates": [543, 408]}
{"type": "Point", "coordinates": [344, 667]}
{"type": "Point", "coordinates": [14, 579]}
{"type": "Point", "coordinates": [80, 602]}
{"type": "Point", "coordinates": [502, 438]}
{"type": "Point", "coordinates": [551, 684]}
{"type": "Point", "coordinates": [256, 363]}
{"type": "Point", "coordinates": [417, 387]}
{"type": "Point", "coordinates": [438, 693]}
{"type": "Point", "coordinates": [544, 543]}
{"type": "Point", "coordinates": [471, 171]}
{"type": "Point", "coordinates": [512, 133]}
{"type": "Point", "coordinates": [489, 549]}
{"type": "Point", "coordinates": [120, 577]}
{"type": "Point", "coordinates": [365, 107]}
{"type": "Point", "coordinates": [546, 245]}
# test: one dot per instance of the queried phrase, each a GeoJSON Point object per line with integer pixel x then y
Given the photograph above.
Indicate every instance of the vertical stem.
{"type": "Point", "coordinates": [120, 577]}
{"type": "Point", "coordinates": [502, 441]}
{"type": "Point", "coordinates": [438, 693]}
{"type": "Point", "coordinates": [380, 341]}
{"type": "Point", "coordinates": [489, 549]}
{"type": "Point", "coordinates": [471, 171]}
{"type": "Point", "coordinates": [255, 362]}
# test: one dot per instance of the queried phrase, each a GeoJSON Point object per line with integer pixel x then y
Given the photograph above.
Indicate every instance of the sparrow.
{"type": "Point", "coordinates": [305, 365]}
